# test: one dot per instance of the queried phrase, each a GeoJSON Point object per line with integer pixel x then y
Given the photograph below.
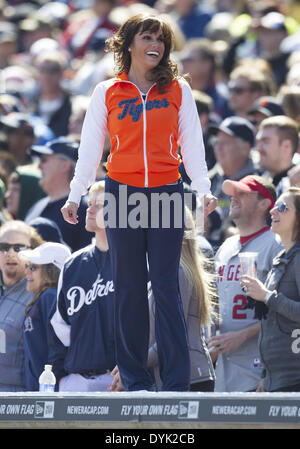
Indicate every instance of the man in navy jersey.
{"type": "Point", "coordinates": [84, 354]}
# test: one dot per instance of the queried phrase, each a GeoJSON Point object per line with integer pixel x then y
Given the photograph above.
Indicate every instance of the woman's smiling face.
{"type": "Point", "coordinates": [283, 216]}
{"type": "Point", "coordinates": [147, 49]}
{"type": "Point", "coordinates": [34, 277]}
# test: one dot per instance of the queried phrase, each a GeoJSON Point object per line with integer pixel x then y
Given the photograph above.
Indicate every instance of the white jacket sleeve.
{"type": "Point", "coordinates": [61, 328]}
{"type": "Point", "coordinates": [91, 144]}
{"type": "Point", "coordinates": [191, 142]}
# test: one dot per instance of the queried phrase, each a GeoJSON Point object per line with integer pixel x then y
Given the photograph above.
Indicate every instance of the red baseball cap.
{"type": "Point", "coordinates": [247, 184]}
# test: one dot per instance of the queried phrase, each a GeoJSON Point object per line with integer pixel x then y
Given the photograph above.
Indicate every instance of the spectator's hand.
{"type": "Point", "coordinates": [254, 287]}
{"type": "Point", "coordinates": [116, 384]}
{"type": "Point", "coordinates": [213, 352]}
{"type": "Point", "coordinates": [294, 176]}
{"type": "Point", "coordinates": [210, 203]}
{"type": "Point", "coordinates": [227, 342]}
{"type": "Point", "coordinates": [69, 212]}
{"type": "Point", "coordinates": [260, 387]}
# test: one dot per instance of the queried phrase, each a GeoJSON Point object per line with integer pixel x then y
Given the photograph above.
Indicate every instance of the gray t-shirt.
{"type": "Point", "coordinates": [238, 370]}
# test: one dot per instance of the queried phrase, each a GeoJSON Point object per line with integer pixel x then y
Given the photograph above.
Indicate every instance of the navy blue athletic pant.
{"type": "Point", "coordinates": [139, 254]}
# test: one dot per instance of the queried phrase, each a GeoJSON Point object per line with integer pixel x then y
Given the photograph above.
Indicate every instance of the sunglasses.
{"type": "Point", "coordinates": [17, 247]}
{"type": "Point", "coordinates": [281, 207]}
{"type": "Point", "coordinates": [238, 90]}
{"type": "Point", "coordinates": [31, 267]}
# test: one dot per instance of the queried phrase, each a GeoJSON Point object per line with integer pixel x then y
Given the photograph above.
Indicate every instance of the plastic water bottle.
{"type": "Point", "coordinates": [47, 380]}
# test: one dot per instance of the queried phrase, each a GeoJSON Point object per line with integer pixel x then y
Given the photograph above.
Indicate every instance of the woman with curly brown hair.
{"type": "Point", "coordinates": [147, 110]}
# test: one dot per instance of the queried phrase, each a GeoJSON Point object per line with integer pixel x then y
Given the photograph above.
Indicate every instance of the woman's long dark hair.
{"type": "Point", "coordinates": [50, 275]}
{"type": "Point", "coordinates": [295, 192]}
{"type": "Point", "coordinates": [166, 71]}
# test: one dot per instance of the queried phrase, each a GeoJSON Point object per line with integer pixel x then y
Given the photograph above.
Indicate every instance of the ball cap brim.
{"type": "Point", "coordinates": [236, 127]}
{"type": "Point", "coordinates": [61, 145]}
{"type": "Point", "coordinates": [247, 184]}
{"type": "Point", "coordinates": [49, 252]}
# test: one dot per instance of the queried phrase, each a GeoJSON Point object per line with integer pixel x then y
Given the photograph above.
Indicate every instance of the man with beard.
{"type": "Point", "coordinates": [237, 366]}
{"type": "Point", "coordinates": [277, 141]}
{"type": "Point", "coordinates": [14, 237]}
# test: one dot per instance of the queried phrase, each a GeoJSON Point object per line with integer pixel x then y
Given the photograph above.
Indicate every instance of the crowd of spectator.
{"type": "Point", "coordinates": [243, 58]}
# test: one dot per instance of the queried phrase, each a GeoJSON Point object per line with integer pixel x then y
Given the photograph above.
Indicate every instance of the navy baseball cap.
{"type": "Point", "coordinates": [267, 106]}
{"type": "Point", "coordinates": [48, 230]}
{"type": "Point", "coordinates": [61, 145]}
{"type": "Point", "coordinates": [236, 127]}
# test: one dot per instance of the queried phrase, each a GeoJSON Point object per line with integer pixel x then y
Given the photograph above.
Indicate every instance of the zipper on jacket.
{"type": "Point", "coordinates": [144, 100]}
{"type": "Point", "coordinates": [118, 143]}
{"type": "Point", "coordinates": [144, 126]}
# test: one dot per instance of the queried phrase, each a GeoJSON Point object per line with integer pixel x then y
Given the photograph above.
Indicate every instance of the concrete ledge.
{"type": "Point", "coordinates": [149, 410]}
{"type": "Point", "coordinates": [83, 425]}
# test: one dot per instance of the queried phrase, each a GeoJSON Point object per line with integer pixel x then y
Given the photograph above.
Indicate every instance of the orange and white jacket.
{"type": "Point", "coordinates": [144, 136]}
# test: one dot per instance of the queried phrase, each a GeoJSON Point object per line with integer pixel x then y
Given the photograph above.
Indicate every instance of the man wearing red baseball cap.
{"type": "Point", "coordinates": [236, 347]}
{"type": "Point", "coordinates": [251, 184]}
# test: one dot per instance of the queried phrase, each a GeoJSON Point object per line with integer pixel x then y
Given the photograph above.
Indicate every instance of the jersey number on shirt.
{"type": "Point", "coordinates": [240, 302]}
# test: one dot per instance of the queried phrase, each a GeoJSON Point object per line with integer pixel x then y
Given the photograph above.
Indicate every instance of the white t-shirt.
{"type": "Point", "coordinates": [48, 107]}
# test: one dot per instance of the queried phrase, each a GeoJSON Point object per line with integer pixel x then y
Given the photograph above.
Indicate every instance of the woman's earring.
{"type": "Point", "coordinates": [129, 49]}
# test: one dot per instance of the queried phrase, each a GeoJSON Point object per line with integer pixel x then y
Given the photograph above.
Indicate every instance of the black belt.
{"type": "Point", "coordinates": [93, 373]}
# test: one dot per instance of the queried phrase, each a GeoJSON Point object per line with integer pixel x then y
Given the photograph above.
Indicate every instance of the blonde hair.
{"type": "Point", "coordinates": [286, 128]}
{"type": "Point", "coordinates": [196, 268]}
{"type": "Point", "coordinates": [22, 228]}
{"type": "Point", "coordinates": [97, 187]}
